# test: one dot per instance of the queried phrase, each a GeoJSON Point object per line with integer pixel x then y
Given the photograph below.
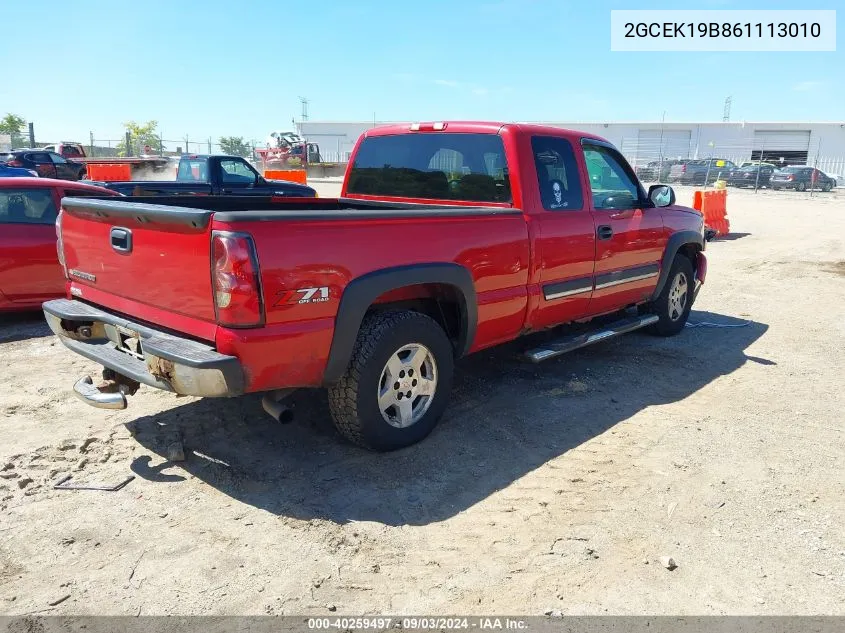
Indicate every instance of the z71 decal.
{"type": "Point", "coordinates": [303, 295]}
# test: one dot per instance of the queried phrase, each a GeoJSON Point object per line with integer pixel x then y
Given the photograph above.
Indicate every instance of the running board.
{"type": "Point", "coordinates": [569, 343]}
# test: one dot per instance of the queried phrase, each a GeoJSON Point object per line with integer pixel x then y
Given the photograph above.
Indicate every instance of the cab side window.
{"type": "Point", "coordinates": [611, 180]}
{"type": "Point", "coordinates": [557, 174]}
{"type": "Point", "coordinates": [27, 206]}
{"type": "Point", "coordinates": [236, 172]}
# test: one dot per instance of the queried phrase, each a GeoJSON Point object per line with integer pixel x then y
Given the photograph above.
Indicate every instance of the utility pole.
{"type": "Point", "coordinates": [759, 164]}
{"type": "Point", "coordinates": [91, 143]}
{"type": "Point", "coordinates": [31, 135]}
{"type": "Point", "coordinates": [726, 112]}
{"type": "Point", "coordinates": [814, 178]}
{"type": "Point", "coordinates": [128, 143]}
{"type": "Point", "coordinates": [660, 166]}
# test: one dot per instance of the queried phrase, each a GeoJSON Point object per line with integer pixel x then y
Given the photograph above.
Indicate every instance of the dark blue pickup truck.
{"type": "Point", "coordinates": [212, 175]}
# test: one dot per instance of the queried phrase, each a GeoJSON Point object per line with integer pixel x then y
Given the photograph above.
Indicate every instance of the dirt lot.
{"type": "Point", "coordinates": [557, 486]}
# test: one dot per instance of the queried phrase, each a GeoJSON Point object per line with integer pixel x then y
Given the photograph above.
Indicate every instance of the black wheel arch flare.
{"type": "Point", "coordinates": [676, 242]}
{"type": "Point", "coordinates": [361, 292]}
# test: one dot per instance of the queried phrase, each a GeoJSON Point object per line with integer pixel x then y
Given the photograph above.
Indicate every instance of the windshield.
{"type": "Point", "coordinates": [436, 166]}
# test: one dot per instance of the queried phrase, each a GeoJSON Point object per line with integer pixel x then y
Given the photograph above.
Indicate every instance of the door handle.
{"type": "Point", "coordinates": [604, 232]}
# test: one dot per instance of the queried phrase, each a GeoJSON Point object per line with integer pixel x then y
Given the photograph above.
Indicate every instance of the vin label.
{"type": "Point", "coordinates": [723, 30]}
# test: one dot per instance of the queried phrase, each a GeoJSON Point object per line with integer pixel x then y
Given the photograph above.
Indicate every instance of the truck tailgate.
{"type": "Point", "coordinates": [150, 254]}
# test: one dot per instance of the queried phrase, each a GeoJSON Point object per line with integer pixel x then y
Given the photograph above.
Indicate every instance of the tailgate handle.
{"type": "Point", "coordinates": [121, 240]}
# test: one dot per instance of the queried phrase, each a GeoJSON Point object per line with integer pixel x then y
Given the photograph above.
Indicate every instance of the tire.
{"type": "Point", "coordinates": [827, 186]}
{"type": "Point", "coordinates": [672, 320]}
{"type": "Point", "coordinates": [381, 359]}
{"type": "Point", "coordinates": [776, 188]}
{"type": "Point", "coordinates": [801, 187]}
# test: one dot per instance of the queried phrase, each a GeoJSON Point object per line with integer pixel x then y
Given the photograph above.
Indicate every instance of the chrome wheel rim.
{"type": "Point", "coordinates": [407, 385]}
{"type": "Point", "coordinates": [678, 296]}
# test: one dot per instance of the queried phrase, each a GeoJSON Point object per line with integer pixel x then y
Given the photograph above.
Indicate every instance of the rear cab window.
{"type": "Point", "coordinates": [27, 206]}
{"type": "Point", "coordinates": [557, 174]}
{"type": "Point", "coordinates": [193, 170]}
{"type": "Point", "coordinates": [436, 166]}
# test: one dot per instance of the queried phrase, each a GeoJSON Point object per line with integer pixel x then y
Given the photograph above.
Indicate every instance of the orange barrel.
{"type": "Point", "coordinates": [109, 171]}
{"type": "Point", "coordinates": [714, 206]}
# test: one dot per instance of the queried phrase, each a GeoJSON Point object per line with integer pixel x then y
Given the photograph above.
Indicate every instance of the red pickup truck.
{"type": "Point", "coordinates": [449, 238]}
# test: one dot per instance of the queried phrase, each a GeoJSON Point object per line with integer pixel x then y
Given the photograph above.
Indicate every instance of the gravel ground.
{"type": "Point", "coordinates": [558, 486]}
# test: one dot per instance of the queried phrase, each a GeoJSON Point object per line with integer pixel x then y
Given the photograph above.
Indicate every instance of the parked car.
{"type": "Point", "coordinates": [748, 176]}
{"type": "Point", "coordinates": [429, 254]}
{"type": "Point", "coordinates": [656, 171]}
{"type": "Point", "coordinates": [801, 179]}
{"type": "Point", "coordinates": [46, 164]}
{"type": "Point", "coordinates": [30, 272]}
{"type": "Point", "coordinates": [752, 163]}
{"type": "Point", "coordinates": [699, 172]}
{"type": "Point", "coordinates": [215, 175]}
{"type": "Point", "coordinates": [13, 172]}
{"type": "Point", "coordinates": [838, 179]}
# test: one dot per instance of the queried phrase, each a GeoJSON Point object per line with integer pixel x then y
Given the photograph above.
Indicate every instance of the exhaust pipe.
{"type": "Point", "coordinates": [278, 410]}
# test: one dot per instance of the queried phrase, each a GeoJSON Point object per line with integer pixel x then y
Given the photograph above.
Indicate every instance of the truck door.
{"type": "Point", "coordinates": [236, 177]}
{"type": "Point", "coordinates": [563, 234]}
{"type": "Point", "coordinates": [629, 231]}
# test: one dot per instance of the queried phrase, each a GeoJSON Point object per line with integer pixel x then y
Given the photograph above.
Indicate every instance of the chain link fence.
{"type": "Point", "coordinates": [655, 154]}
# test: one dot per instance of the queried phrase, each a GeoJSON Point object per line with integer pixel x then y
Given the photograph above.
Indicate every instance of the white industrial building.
{"type": "Point", "coordinates": [820, 144]}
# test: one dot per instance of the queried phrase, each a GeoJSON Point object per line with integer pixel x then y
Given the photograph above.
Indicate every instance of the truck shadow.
{"type": "Point", "coordinates": [19, 326]}
{"type": "Point", "coordinates": [507, 417]}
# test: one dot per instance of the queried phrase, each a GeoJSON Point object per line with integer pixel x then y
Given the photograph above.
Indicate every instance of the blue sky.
{"type": "Point", "coordinates": [237, 68]}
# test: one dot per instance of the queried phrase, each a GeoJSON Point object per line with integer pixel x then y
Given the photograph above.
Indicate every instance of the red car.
{"type": "Point", "coordinates": [29, 265]}
{"type": "Point", "coordinates": [449, 238]}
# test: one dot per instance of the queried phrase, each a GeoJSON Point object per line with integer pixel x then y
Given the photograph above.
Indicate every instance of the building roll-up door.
{"type": "Point", "coordinates": [773, 145]}
{"type": "Point", "coordinates": [652, 144]}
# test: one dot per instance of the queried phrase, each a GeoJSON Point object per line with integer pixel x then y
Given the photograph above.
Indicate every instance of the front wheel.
{"type": "Point", "coordinates": [800, 187]}
{"type": "Point", "coordinates": [827, 186]}
{"type": "Point", "coordinates": [673, 304]}
{"type": "Point", "coordinates": [397, 384]}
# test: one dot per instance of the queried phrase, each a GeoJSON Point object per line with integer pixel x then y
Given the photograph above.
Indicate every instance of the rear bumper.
{"type": "Point", "coordinates": [160, 359]}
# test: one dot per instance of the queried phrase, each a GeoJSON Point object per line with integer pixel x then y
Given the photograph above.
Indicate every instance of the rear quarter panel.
{"type": "Point", "coordinates": [292, 349]}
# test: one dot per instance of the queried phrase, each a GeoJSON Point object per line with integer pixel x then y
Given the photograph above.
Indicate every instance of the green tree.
{"type": "Point", "coordinates": [234, 145]}
{"type": "Point", "coordinates": [140, 134]}
{"type": "Point", "coordinates": [14, 126]}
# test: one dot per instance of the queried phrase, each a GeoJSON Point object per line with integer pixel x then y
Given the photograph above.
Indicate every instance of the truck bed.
{"type": "Point", "coordinates": [197, 211]}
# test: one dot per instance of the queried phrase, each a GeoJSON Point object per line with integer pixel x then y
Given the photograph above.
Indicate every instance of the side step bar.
{"type": "Point", "coordinates": [569, 343]}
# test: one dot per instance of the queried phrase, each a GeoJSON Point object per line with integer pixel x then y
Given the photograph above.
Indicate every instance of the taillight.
{"type": "Point", "coordinates": [60, 245]}
{"type": "Point", "coordinates": [14, 163]}
{"type": "Point", "coordinates": [235, 280]}
{"type": "Point", "coordinates": [683, 169]}
{"type": "Point", "coordinates": [790, 177]}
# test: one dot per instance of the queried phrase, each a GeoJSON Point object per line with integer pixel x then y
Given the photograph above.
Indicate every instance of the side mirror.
{"type": "Point", "coordinates": [661, 195]}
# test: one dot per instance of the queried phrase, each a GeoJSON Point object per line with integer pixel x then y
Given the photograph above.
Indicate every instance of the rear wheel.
{"type": "Point", "coordinates": [801, 187]}
{"type": "Point", "coordinates": [673, 304]}
{"type": "Point", "coordinates": [397, 384]}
